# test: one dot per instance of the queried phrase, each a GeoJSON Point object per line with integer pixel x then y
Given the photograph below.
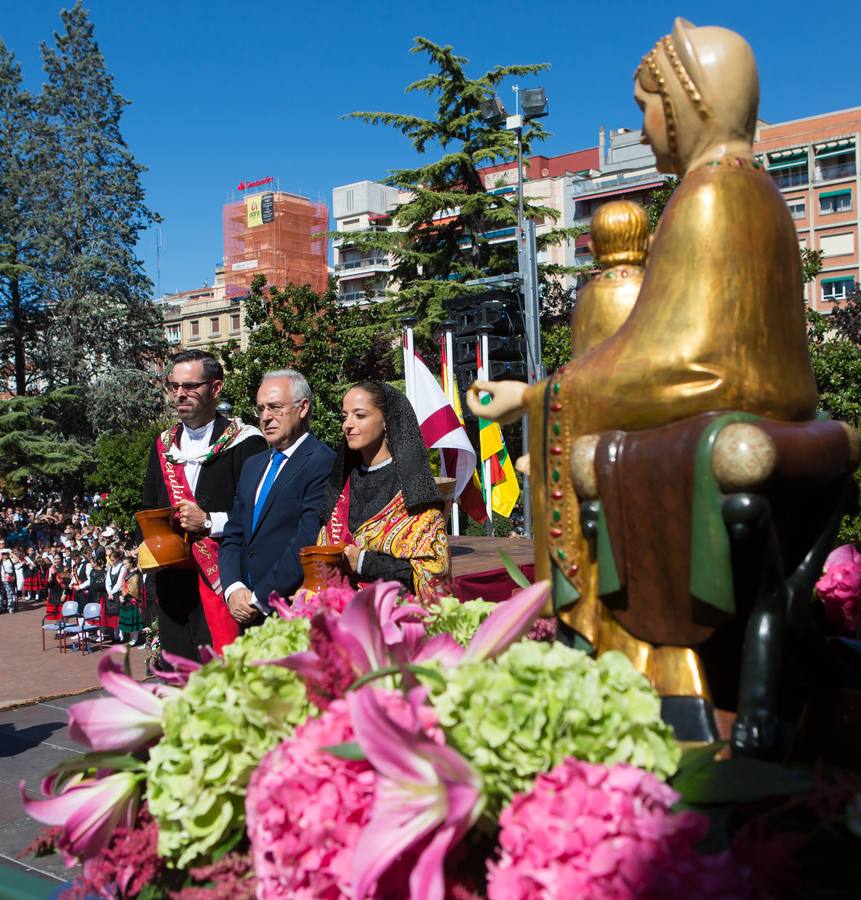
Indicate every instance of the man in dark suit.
{"type": "Point", "coordinates": [277, 506]}
{"type": "Point", "coordinates": [194, 466]}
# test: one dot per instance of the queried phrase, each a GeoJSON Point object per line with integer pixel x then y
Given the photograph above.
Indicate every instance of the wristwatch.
{"type": "Point", "coordinates": [207, 524]}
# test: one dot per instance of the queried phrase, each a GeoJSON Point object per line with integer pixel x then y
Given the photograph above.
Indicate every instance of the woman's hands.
{"type": "Point", "coordinates": [507, 403]}
{"type": "Point", "coordinates": [351, 558]}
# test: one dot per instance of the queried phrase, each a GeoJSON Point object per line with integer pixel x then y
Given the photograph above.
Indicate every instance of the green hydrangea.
{"type": "Point", "coordinates": [216, 731]}
{"type": "Point", "coordinates": [524, 712]}
{"type": "Point", "coordinates": [460, 620]}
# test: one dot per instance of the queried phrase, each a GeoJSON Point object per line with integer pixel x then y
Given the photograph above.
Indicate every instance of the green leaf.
{"type": "Point", "coordinates": [373, 676]}
{"type": "Point", "coordinates": [349, 750]}
{"type": "Point", "coordinates": [228, 844]}
{"type": "Point", "coordinates": [739, 780]}
{"type": "Point", "coordinates": [117, 762]}
{"type": "Point", "coordinates": [513, 570]}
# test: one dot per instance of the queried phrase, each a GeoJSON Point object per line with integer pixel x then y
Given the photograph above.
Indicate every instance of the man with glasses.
{"type": "Point", "coordinates": [278, 500]}
{"type": "Point", "coordinates": [194, 467]}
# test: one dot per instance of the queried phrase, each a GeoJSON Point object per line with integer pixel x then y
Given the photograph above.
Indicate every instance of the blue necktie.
{"type": "Point", "coordinates": [274, 465]}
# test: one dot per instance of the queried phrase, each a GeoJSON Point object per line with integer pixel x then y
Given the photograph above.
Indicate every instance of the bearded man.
{"type": "Point", "coordinates": [194, 467]}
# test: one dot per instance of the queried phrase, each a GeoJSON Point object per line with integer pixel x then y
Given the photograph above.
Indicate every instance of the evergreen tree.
{"type": "Point", "coordinates": [439, 237]}
{"type": "Point", "coordinates": [35, 448]}
{"type": "Point", "coordinates": [21, 309]}
{"type": "Point", "coordinates": [97, 292]}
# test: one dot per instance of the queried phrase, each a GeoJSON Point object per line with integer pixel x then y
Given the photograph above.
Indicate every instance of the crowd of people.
{"type": "Point", "coordinates": [50, 554]}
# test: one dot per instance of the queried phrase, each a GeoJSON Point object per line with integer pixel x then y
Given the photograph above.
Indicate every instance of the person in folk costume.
{"type": "Point", "coordinates": [381, 500]}
{"type": "Point", "coordinates": [7, 578]}
{"type": "Point", "coordinates": [110, 621]}
{"type": "Point", "coordinates": [131, 588]}
{"type": "Point", "coordinates": [33, 575]}
{"type": "Point", "coordinates": [194, 466]}
{"type": "Point", "coordinates": [58, 581]}
{"type": "Point", "coordinates": [80, 584]}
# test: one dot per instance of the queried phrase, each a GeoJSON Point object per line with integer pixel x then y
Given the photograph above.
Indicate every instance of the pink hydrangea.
{"type": "Point", "coordinates": [306, 807]}
{"type": "Point", "coordinates": [593, 831]}
{"type": "Point", "coordinates": [333, 598]}
{"type": "Point", "coordinates": [840, 588]}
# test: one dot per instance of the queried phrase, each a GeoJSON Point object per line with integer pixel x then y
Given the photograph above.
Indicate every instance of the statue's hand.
{"type": "Point", "coordinates": [506, 403]}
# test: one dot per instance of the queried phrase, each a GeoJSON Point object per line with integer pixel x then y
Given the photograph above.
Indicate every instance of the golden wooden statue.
{"type": "Point", "coordinates": [718, 323]}
{"type": "Point", "coordinates": [619, 242]}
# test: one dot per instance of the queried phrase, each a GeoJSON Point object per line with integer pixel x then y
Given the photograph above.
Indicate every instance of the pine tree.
{"type": "Point", "coordinates": [21, 308]}
{"type": "Point", "coordinates": [439, 239]}
{"type": "Point", "coordinates": [97, 292]}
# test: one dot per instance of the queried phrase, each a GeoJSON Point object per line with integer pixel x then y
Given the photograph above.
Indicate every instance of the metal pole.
{"type": "Point", "coordinates": [408, 322]}
{"type": "Point", "coordinates": [448, 343]}
{"type": "Point", "coordinates": [524, 270]}
{"type": "Point", "coordinates": [488, 487]}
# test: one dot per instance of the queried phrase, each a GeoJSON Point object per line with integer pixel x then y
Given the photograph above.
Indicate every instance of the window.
{"type": "Point", "coordinates": [789, 176]}
{"type": "Point", "coordinates": [837, 244]}
{"type": "Point", "coordinates": [234, 321]}
{"type": "Point", "coordinates": [835, 202]}
{"type": "Point", "coordinates": [840, 288]}
{"type": "Point", "coordinates": [214, 327]}
{"type": "Point", "coordinates": [173, 334]}
{"type": "Point", "coordinates": [835, 164]}
{"type": "Point", "coordinates": [797, 209]}
{"type": "Point", "coordinates": [194, 329]}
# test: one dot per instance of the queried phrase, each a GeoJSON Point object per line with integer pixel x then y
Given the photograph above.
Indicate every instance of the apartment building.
{"type": "Point", "coordinates": [815, 163]}
{"type": "Point", "coordinates": [362, 206]}
{"type": "Point", "coordinates": [204, 316]}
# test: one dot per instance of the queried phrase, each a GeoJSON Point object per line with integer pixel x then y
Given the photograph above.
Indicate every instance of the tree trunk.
{"type": "Point", "coordinates": [18, 338]}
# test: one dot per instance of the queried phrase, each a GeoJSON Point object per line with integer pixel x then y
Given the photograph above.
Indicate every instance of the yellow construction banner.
{"type": "Point", "coordinates": [254, 210]}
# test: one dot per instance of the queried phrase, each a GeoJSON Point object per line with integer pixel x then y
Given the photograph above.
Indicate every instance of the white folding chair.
{"type": "Point", "coordinates": [68, 622]}
{"type": "Point", "coordinates": [54, 627]}
{"type": "Point", "coordinates": [91, 628]}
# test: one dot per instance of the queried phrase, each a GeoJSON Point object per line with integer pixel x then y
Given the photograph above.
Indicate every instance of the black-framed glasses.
{"type": "Point", "coordinates": [190, 387]}
{"type": "Point", "coordinates": [277, 409]}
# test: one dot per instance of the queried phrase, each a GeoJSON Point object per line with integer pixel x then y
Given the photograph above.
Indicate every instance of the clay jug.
{"type": "Point", "coordinates": [163, 544]}
{"type": "Point", "coordinates": [319, 563]}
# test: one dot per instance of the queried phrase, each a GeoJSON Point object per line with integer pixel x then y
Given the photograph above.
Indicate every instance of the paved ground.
{"type": "Point", "coordinates": [32, 740]}
{"type": "Point", "coordinates": [27, 673]}
{"type": "Point", "coordinates": [36, 688]}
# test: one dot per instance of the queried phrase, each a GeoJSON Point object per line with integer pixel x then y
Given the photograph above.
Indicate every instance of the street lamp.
{"type": "Point", "coordinates": [530, 103]}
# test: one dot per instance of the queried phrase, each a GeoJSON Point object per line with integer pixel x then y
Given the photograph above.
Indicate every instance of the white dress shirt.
{"type": "Point", "coordinates": [193, 446]}
{"type": "Point", "coordinates": [287, 454]}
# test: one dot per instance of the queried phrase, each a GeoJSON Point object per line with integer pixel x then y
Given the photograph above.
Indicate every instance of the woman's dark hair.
{"type": "Point", "coordinates": [375, 391]}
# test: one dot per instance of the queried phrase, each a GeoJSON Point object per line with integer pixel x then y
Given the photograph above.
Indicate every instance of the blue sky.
{"type": "Point", "coordinates": [223, 91]}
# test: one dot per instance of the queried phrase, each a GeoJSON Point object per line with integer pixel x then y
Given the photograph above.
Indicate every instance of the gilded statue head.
{"type": "Point", "coordinates": [699, 92]}
{"type": "Point", "coordinates": [620, 234]}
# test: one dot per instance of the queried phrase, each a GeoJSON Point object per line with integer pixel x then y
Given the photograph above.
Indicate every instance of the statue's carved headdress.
{"type": "Point", "coordinates": [710, 71]}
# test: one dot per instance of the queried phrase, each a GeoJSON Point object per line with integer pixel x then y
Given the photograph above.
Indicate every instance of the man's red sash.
{"type": "Point", "coordinates": [222, 626]}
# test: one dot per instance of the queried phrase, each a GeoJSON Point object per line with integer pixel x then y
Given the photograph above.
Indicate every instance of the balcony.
{"type": "Point", "coordinates": [835, 172]}
{"type": "Point", "coordinates": [361, 268]}
{"type": "Point", "coordinates": [350, 297]}
{"type": "Point", "coordinates": [367, 262]}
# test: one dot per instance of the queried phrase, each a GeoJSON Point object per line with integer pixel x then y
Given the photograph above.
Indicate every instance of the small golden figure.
{"type": "Point", "coordinates": [619, 242]}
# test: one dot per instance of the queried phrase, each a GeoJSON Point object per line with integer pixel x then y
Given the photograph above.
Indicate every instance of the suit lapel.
{"type": "Point", "coordinates": [289, 470]}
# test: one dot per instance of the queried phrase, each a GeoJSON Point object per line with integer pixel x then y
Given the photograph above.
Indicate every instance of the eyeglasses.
{"type": "Point", "coordinates": [190, 387]}
{"type": "Point", "coordinates": [277, 409]}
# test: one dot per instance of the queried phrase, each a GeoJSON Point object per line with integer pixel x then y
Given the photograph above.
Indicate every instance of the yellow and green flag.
{"type": "Point", "coordinates": [503, 481]}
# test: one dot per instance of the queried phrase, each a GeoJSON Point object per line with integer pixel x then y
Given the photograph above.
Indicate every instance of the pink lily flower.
{"type": "Point", "coordinates": [88, 809]}
{"type": "Point", "coordinates": [426, 793]}
{"type": "Point", "coordinates": [125, 721]}
{"type": "Point", "coordinates": [508, 623]}
{"type": "Point", "coordinates": [183, 667]}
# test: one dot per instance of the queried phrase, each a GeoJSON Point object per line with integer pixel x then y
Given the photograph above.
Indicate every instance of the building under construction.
{"type": "Point", "coordinates": [277, 235]}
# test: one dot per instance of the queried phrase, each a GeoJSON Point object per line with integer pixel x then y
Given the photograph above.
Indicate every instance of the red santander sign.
{"type": "Point", "coordinates": [244, 185]}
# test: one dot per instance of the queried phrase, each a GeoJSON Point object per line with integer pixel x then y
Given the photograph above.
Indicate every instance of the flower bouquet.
{"type": "Point", "coordinates": [360, 745]}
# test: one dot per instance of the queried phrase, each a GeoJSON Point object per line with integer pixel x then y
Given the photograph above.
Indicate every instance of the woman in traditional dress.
{"type": "Point", "coordinates": [381, 500]}
{"type": "Point", "coordinates": [111, 601]}
{"type": "Point", "coordinates": [58, 585]}
{"type": "Point", "coordinates": [131, 622]}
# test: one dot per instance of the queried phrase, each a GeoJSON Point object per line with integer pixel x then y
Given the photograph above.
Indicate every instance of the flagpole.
{"type": "Point", "coordinates": [448, 348]}
{"type": "Point", "coordinates": [408, 322]}
{"type": "Point", "coordinates": [484, 344]}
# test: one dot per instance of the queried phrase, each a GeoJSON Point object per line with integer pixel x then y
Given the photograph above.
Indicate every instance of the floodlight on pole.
{"type": "Point", "coordinates": [492, 111]}
{"type": "Point", "coordinates": [530, 103]}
